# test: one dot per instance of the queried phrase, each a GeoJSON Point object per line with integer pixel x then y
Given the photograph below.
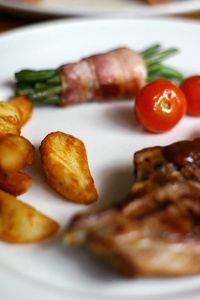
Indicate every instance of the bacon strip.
{"type": "Point", "coordinates": [117, 74]}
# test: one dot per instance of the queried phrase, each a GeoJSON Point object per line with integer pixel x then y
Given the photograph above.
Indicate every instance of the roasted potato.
{"type": "Point", "coordinates": [16, 183]}
{"type": "Point", "coordinates": [21, 223]}
{"type": "Point", "coordinates": [65, 164]}
{"type": "Point", "coordinates": [15, 152]}
{"type": "Point", "coordinates": [10, 119]}
{"type": "Point", "coordinates": [25, 107]}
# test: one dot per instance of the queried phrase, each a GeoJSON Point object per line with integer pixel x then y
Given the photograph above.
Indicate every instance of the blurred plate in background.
{"type": "Point", "coordinates": [132, 8]}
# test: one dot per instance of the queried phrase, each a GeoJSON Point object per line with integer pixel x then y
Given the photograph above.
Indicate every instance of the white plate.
{"type": "Point", "coordinates": [49, 270]}
{"type": "Point", "coordinates": [132, 8]}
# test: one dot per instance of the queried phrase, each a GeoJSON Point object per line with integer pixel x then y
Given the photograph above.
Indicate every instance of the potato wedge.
{"type": "Point", "coordinates": [10, 119]}
{"type": "Point", "coordinates": [15, 152]}
{"type": "Point", "coordinates": [25, 107]}
{"type": "Point", "coordinates": [65, 164]}
{"type": "Point", "coordinates": [21, 223]}
{"type": "Point", "coordinates": [16, 183]}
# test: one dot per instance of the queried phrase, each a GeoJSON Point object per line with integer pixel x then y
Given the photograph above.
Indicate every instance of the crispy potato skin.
{"type": "Point", "coordinates": [65, 164]}
{"type": "Point", "coordinates": [15, 152]}
{"type": "Point", "coordinates": [16, 183]}
{"type": "Point", "coordinates": [21, 223]}
{"type": "Point", "coordinates": [25, 107]}
{"type": "Point", "coordinates": [10, 119]}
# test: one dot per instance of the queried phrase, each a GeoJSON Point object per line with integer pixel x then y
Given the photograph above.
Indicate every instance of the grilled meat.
{"type": "Point", "coordinates": [156, 230]}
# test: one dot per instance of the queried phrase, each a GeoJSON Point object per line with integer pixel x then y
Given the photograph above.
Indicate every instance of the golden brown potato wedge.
{"type": "Point", "coordinates": [15, 152]}
{"type": "Point", "coordinates": [16, 183]}
{"type": "Point", "coordinates": [65, 164]}
{"type": "Point", "coordinates": [10, 119]}
{"type": "Point", "coordinates": [25, 107]}
{"type": "Point", "coordinates": [21, 223]}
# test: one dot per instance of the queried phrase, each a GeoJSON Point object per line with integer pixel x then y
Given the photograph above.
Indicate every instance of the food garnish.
{"type": "Point", "coordinates": [117, 74]}
{"type": "Point", "coordinates": [160, 105]}
{"type": "Point", "coordinates": [191, 88]}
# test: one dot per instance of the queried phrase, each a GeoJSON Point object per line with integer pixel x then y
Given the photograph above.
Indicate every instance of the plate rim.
{"type": "Point", "coordinates": [52, 23]}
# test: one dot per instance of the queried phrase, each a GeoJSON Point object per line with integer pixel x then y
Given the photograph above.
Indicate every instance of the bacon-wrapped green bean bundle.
{"type": "Point", "coordinates": [117, 74]}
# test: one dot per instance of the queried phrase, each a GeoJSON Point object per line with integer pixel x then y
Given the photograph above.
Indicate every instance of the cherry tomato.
{"type": "Point", "coordinates": [160, 105]}
{"type": "Point", "coordinates": [191, 89]}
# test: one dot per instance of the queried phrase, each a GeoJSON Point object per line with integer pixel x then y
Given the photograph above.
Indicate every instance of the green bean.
{"type": "Point", "coordinates": [154, 68]}
{"type": "Point", "coordinates": [34, 76]}
{"type": "Point", "coordinates": [158, 57]}
{"type": "Point", "coordinates": [150, 51]}
{"type": "Point", "coordinates": [24, 89]}
{"type": "Point", "coordinates": [54, 80]}
{"type": "Point", "coordinates": [55, 99]}
{"type": "Point", "coordinates": [169, 72]}
{"type": "Point", "coordinates": [45, 93]}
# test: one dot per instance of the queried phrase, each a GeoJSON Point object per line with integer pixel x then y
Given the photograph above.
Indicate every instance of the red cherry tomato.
{"type": "Point", "coordinates": [191, 89]}
{"type": "Point", "coordinates": [160, 105]}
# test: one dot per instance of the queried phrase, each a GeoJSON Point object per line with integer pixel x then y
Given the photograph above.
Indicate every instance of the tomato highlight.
{"type": "Point", "coordinates": [160, 105]}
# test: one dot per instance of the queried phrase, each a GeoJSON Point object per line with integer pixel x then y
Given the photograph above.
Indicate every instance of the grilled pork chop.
{"type": "Point", "coordinates": [156, 230]}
